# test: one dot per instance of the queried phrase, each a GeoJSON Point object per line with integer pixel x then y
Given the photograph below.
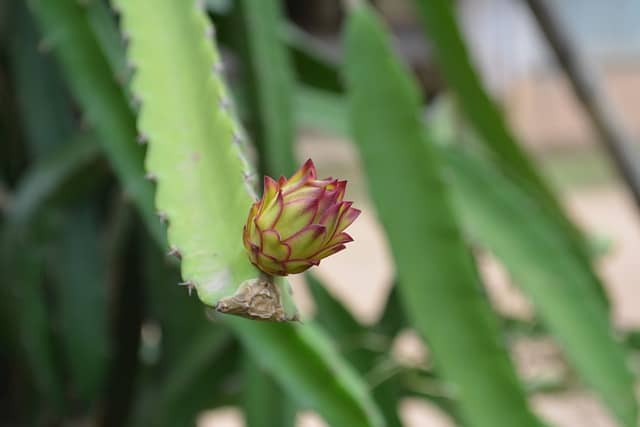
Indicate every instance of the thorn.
{"type": "Point", "coordinates": [224, 103]}
{"type": "Point", "coordinates": [237, 138]}
{"type": "Point", "coordinates": [151, 176]}
{"type": "Point", "coordinates": [142, 138]}
{"type": "Point", "coordinates": [136, 101]}
{"type": "Point", "coordinates": [248, 176]}
{"type": "Point", "coordinates": [125, 36]}
{"type": "Point", "coordinates": [200, 4]}
{"type": "Point", "coordinates": [163, 217]}
{"type": "Point", "coordinates": [218, 67]}
{"type": "Point", "coordinates": [189, 284]}
{"type": "Point", "coordinates": [210, 31]}
{"type": "Point", "coordinates": [173, 251]}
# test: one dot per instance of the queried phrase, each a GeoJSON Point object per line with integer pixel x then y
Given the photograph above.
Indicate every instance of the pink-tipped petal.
{"type": "Point", "coordinates": [271, 188]}
{"type": "Point", "coordinates": [295, 267]}
{"type": "Point", "coordinates": [298, 222]}
{"type": "Point", "coordinates": [347, 218]}
{"type": "Point", "coordinates": [304, 192]}
{"type": "Point", "coordinates": [307, 241]}
{"type": "Point", "coordinates": [273, 247]}
{"type": "Point", "coordinates": [340, 239]}
{"type": "Point", "coordinates": [328, 251]}
{"type": "Point", "coordinates": [306, 172]}
{"type": "Point", "coordinates": [270, 265]}
{"type": "Point", "coordinates": [270, 216]}
{"type": "Point", "coordinates": [327, 199]}
{"type": "Point", "coordinates": [296, 216]}
{"type": "Point", "coordinates": [341, 189]}
{"type": "Point", "coordinates": [332, 216]}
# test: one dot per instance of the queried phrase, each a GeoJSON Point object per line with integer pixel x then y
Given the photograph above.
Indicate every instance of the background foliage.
{"type": "Point", "coordinates": [125, 136]}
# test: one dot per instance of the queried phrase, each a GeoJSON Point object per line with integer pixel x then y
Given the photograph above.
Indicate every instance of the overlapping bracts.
{"type": "Point", "coordinates": [298, 222]}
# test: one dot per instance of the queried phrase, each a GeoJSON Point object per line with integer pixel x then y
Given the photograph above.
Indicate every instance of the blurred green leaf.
{"type": "Point", "coordinates": [193, 360]}
{"type": "Point", "coordinates": [312, 64]}
{"type": "Point", "coordinates": [318, 109]}
{"type": "Point", "coordinates": [270, 84]}
{"type": "Point", "coordinates": [452, 56]}
{"type": "Point", "coordinates": [332, 315]}
{"type": "Point", "coordinates": [44, 108]}
{"type": "Point", "coordinates": [263, 403]}
{"type": "Point", "coordinates": [82, 304]}
{"type": "Point", "coordinates": [393, 318]}
{"type": "Point", "coordinates": [88, 74]}
{"type": "Point", "coordinates": [190, 383]}
{"type": "Point", "coordinates": [364, 348]}
{"type": "Point", "coordinates": [102, 22]}
{"type": "Point", "coordinates": [503, 218]}
{"type": "Point", "coordinates": [435, 269]}
{"type": "Point", "coordinates": [48, 177]}
{"type": "Point", "coordinates": [25, 305]}
{"type": "Point", "coordinates": [305, 363]}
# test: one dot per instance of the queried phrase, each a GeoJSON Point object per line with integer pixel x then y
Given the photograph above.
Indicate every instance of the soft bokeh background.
{"type": "Point", "coordinates": [539, 104]}
{"type": "Point", "coordinates": [519, 68]}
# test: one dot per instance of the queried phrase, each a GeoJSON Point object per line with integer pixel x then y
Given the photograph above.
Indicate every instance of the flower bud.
{"type": "Point", "coordinates": [297, 222]}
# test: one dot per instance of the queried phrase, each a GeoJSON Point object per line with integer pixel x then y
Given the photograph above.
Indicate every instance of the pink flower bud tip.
{"type": "Point", "coordinates": [298, 222]}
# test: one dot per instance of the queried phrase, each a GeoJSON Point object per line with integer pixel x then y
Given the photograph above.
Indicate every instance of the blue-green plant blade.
{"type": "Point", "coordinates": [270, 84]}
{"type": "Point", "coordinates": [44, 106]}
{"type": "Point", "coordinates": [47, 177]}
{"type": "Point", "coordinates": [483, 114]}
{"type": "Point", "coordinates": [504, 219]}
{"type": "Point", "coordinates": [67, 33]}
{"type": "Point", "coordinates": [263, 402]}
{"type": "Point", "coordinates": [305, 363]}
{"type": "Point", "coordinates": [103, 24]}
{"type": "Point", "coordinates": [512, 224]}
{"type": "Point", "coordinates": [192, 352]}
{"type": "Point", "coordinates": [439, 284]}
{"type": "Point", "coordinates": [313, 66]}
{"type": "Point", "coordinates": [364, 348]}
{"type": "Point", "coordinates": [24, 303]}
{"type": "Point", "coordinates": [81, 301]}
{"type": "Point", "coordinates": [319, 109]}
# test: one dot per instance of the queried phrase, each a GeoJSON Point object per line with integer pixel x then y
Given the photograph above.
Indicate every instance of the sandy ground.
{"type": "Point", "coordinates": [361, 277]}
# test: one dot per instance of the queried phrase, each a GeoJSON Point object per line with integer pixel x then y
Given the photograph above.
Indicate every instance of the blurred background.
{"type": "Point", "coordinates": [564, 73]}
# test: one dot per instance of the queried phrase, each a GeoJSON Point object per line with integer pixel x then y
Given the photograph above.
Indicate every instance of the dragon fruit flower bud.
{"type": "Point", "coordinates": [297, 222]}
